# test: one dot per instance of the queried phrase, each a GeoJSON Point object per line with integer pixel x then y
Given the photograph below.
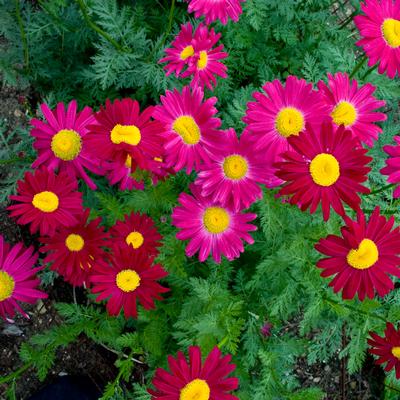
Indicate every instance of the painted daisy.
{"type": "Point", "coordinates": [61, 142]}
{"type": "Point", "coordinates": [353, 107]}
{"type": "Point", "coordinates": [214, 10]}
{"type": "Point", "coordinates": [363, 257]}
{"type": "Point", "coordinates": [211, 227]}
{"type": "Point", "coordinates": [18, 281]}
{"type": "Point", "coordinates": [72, 251]}
{"type": "Point", "coordinates": [233, 176]}
{"type": "Point", "coordinates": [281, 112]}
{"type": "Point", "coordinates": [393, 165]}
{"type": "Point", "coordinates": [325, 166]}
{"type": "Point", "coordinates": [190, 128]}
{"type": "Point", "coordinates": [47, 201]}
{"type": "Point", "coordinates": [136, 232]}
{"type": "Point", "coordinates": [194, 379]}
{"type": "Point", "coordinates": [130, 277]}
{"type": "Point", "coordinates": [380, 32]}
{"type": "Point", "coordinates": [386, 348]}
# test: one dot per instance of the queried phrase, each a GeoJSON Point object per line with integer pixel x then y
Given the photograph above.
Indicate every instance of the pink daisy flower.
{"type": "Point", "coordinates": [214, 10]}
{"type": "Point", "coordinates": [18, 281]}
{"type": "Point", "coordinates": [190, 128]}
{"type": "Point", "coordinates": [211, 227]}
{"type": "Point", "coordinates": [61, 143]}
{"type": "Point", "coordinates": [47, 201]}
{"type": "Point", "coordinates": [353, 107]}
{"type": "Point", "coordinates": [393, 165]}
{"type": "Point", "coordinates": [281, 112]}
{"type": "Point", "coordinates": [233, 177]}
{"type": "Point", "coordinates": [379, 29]}
{"type": "Point", "coordinates": [205, 65]}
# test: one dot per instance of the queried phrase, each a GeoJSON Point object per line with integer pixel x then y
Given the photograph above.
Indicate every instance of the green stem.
{"type": "Point", "coordinates": [23, 33]}
{"type": "Point", "coordinates": [348, 19]}
{"type": "Point", "coordinates": [358, 66]}
{"type": "Point", "coordinates": [15, 160]}
{"type": "Point", "coordinates": [96, 28]}
{"type": "Point", "coordinates": [16, 374]}
{"type": "Point", "coordinates": [369, 71]}
{"type": "Point", "coordinates": [169, 26]}
{"type": "Point", "coordinates": [382, 189]}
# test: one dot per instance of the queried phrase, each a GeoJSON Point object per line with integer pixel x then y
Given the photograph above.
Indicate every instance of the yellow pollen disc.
{"type": "Point", "coordinates": [235, 167]}
{"type": "Point", "coordinates": [7, 285]}
{"type": "Point", "coordinates": [203, 60]}
{"type": "Point", "coordinates": [324, 169]}
{"type": "Point", "coordinates": [289, 121]}
{"type": "Point", "coordinates": [197, 389]}
{"type": "Point", "coordinates": [128, 280]}
{"type": "Point", "coordinates": [129, 134]}
{"type": "Point", "coordinates": [216, 219]}
{"type": "Point", "coordinates": [187, 52]}
{"type": "Point", "coordinates": [391, 32]}
{"type": "Point", "coordinates": [344, 114]}
{"type": "Point", "coordinates": [135, 239]}
{"type": "Point", "coordinates": [74, 242]}
{"type": "Point", "coordinates": [396, 352]}
{"type": "Point", "coordinates": [158, 159]}
{"type": "Point", "coordinates": [66, 144]}
{"type": "Point", "coordinates": [128, 161]}
{"type": "Point", "coordinates": [187, 128]}
{"type": "Point", "coordinates": [365, 256]}
{"type": "Point", "coordinates": [45, 201]}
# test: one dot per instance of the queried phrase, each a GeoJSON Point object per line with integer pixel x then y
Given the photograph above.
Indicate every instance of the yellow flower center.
{"type": "Point", "coordinates": [396, 352]}
{"type": "Point", "coordinates": [128, 280]}
{"type": "Point", "coordinates": [197, 389]}
{"type": "Point", "coordinates": [135, 239]}
{"type": "Point", "coordinates": [129, 134]}
{"type": "Point", "coordinates": [45, 201]}
{"type": "Point", "coordinates": [158, 159]}
{"type": "Point", "coordinates": [187, 52]}
{"type": "Point", "coordinates": [365, 256]}
{"type": "Point", "coordinates": [7, 285]}
{"type": "Point", "coordinates": [391, 32]}
{"type": "Point", "coordinates": [324, 169]}
{"type": "Point", "coordinates": [235, 167]}
{"type": "Point", "coordinates": [344, 114]}
{"type": "Point", "coordinates": [203, 60]}
{"type": "Point", "coordinates": [187, 128]}
{"type": "Point", "coordinates": [128, 161]}
{"type": "Point", "coordinates": [289, 121]}
{"type": "Point", "coordinates": [74, 242]}
{"type": "Point", "coordinates": [216, 219]}
{"type": "Point", "coordinates": [66, 144]}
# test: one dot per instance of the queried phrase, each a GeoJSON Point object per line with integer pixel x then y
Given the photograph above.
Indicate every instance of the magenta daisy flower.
{"type": "Point", "coordinates": [196, 380]}
{"type": "Point", "coordinates": [190, 128]}
{"type": "Point", "coordinates": [214, 10]}
{"type": "Point", "coordinates": [61, 143]}
{"type": "Point", "coordinates": [120, 128]}
{"type": "Point", "coordinates": [281, 112]}
{"type": "Point", "coordinates": [380, 32]}
{"type": "Point", "coordinates": [353, 107]}
{"type": "Point", "coordinates": [18, 281]}
{"type": "Point", "coordinates": [205, 65]}
{"type": "Point", "coordinates": [47, 201]}
{"type": "Point", "coordinates": [393, 165]}
{"type": "Point", "coordinates": [211, 227]}
{"type": "Point", "coordinates": [233, 177]}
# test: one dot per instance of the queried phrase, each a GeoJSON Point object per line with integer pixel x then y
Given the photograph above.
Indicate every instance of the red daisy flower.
{"type": "Point", "coordinates": [379, 29]}
{"type": "Point", "coordinates": [18, 281]}
{"type": "Point", "coordinates": [387, 348]}
{"type": "Point", "coordinates": [195, 379]}
{"type": "Point", "coordinates": [138, 233]}
{"type": "Point", "coordinates": [353, 107]}
{"type": "Point", "coordinates": [47, 201]}
{"type": "Point", "coordinates": [324, 166]}
{"type": "Point", "coordinates": [61, 142]}
{"type": "Point", "coordinates": [129, 277]}
{"type": "Point", "coordinates": [121, 128]}
{"type": "Point", "coordinates": [363, 257]}
{"type": "Point", "coordinates": [72, 251]}
{"type": "Point", "coordinates": [211, 227]}
{"type": "Point", "coordinates": [393, 165]}
{"type": "Point", "coordinates": [190, 128]}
